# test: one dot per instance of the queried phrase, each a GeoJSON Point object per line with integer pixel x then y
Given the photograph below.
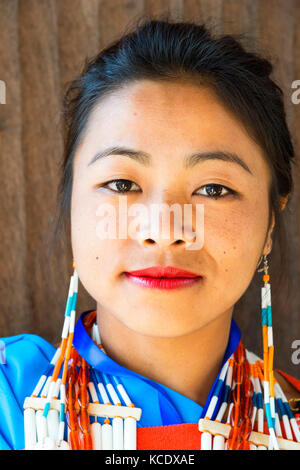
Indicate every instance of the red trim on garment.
{"type": "Point", "coordinates": [185, 436]}
{"type": "Point", "coordinates": [290, 379]}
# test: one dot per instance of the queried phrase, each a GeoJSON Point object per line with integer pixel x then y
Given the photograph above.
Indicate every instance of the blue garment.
{"type": "Point", "coordinates": [28, 357]}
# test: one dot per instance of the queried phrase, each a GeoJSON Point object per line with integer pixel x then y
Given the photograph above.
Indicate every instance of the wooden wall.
{"type": "Point", "coordinates": [43, 44]}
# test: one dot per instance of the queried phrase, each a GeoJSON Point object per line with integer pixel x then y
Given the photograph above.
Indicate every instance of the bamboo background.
{"type": "Point", "coordinates": [43, 44]}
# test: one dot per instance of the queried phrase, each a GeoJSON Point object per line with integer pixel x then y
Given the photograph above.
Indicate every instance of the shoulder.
{"type": "Point", "coordinates": [26, 344]}
{"type": "Point", "coordinates": [23, 359]}
{"type": "Point", "coordinates": [23, 355]}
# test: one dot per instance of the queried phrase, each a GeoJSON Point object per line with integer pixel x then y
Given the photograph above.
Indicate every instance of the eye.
{"type": "Point", "coordinates": [121, 185]}
{"type": "Point", "coordinates": [216, 191]}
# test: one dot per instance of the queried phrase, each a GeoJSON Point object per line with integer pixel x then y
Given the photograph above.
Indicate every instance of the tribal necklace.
{"type": "Point", "coordinates": [101, 416]}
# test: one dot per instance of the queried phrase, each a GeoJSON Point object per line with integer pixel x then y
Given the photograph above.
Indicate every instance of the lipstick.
{"type": "Point", "coordinates": [160, 277]}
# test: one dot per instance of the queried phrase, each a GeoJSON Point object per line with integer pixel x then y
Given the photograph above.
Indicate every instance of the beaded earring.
{"type": "Point", "coordinates": [268, 351]}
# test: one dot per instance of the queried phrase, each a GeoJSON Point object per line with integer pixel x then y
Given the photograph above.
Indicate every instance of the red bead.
{"type": "Point", "coordinates": [246, 408]}
{"type": "Point", "coordinates": [234, 439]}
{"type": "Point", "coordinates": [74, 440]}
{"type": "Point", "coordinates": [235, 416]}
{"type": "Point", "coordinates": [245, 429]}
{"type": "Point", "coordinates": [236, 394]}
{"type": "Point", "coordinates": [238, 373]}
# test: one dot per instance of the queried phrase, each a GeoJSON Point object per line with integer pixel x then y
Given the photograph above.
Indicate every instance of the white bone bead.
{"type": "Point", "coordinates": [107, 439]}
{"type": "Point", "coordinates": [29, 428]}
{"type": "Point", "coordinates": [218, 442]}
{"type": "Point", "coordinates": [93, 392]}
{"type": "Point", "coordinates": [41, 426]}
{"type": "Point", "coordinates": [118, 434]}
{"type": "Point", "coordinates": [96, 434]}
{"type": "Point", "coordinates": [39, 385]}
{"type": "Point", "coordinates": [61, 431]}
{"type": "Point", "coordinates": [56, 388]}
{"type": "Point", "coordinates": [113, 394]}
{"type": "Point", "coordinates": [44, 392]}
{"type": "Point", "coordinates": [206, 441]}
{"type": "Point", "coordinates": [49, 443]}
{"type": "Point", "coordinates": [53, 424]}
{"type": "Point", "coordinates": [129, 433]}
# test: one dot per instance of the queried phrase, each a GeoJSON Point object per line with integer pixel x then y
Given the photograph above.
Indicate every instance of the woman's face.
{"type": "Point", "coordinates": [169, 122]}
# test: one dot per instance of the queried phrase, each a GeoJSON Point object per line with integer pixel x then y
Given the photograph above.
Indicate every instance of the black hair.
{"type": "Point", "coordinates": [166, 50]}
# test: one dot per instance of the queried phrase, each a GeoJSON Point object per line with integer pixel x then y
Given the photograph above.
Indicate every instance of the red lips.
{"type": "Point", "coordinates": [164, 271]}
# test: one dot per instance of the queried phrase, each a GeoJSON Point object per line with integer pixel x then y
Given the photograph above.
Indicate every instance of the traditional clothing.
{"type": "Point", "coordinates": [169, 420]}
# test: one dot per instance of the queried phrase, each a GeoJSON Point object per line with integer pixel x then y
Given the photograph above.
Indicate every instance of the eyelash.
{"type": "Point", "coordinates": [231, 192]}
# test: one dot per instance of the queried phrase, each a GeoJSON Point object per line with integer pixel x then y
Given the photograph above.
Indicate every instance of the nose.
{"type": "Point", "coordinates": [146, 239]}
{"type": "Point", "coordinates": [166, 234]}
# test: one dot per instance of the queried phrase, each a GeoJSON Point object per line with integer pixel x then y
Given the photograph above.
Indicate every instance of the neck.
{"type": "Point", "coordinates": [187, 364]}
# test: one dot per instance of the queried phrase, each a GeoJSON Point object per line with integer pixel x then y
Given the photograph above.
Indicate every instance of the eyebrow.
{"type": "Point", "coordinates": [189, 161]}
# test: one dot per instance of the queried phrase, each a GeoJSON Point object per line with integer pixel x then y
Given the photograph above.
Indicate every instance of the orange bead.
{"type": "Point", "coordinates": [247, 388]}
{"type": "Point", "coordinates": [246, 429]}
{"type": "Point", "coordinates": [84, 377]}
{"type": "Point", "coordinates": [238, 373]}
{"type": "Point", "coordinates": [236, 394]}
{"type": "Point", "coordinates": [84, 421]}
{"type": "Point", "coordinates": [89, 319]}
{"type": "Point", "coordinates": [74, 356]}
{"type": "Point", "coordinates": [246, 369]}
{"type": "Point", "coordinates": [244, 445]}
{"type": "Point", "coordinates": [266, 277]}
{"type": "Point", "coordinates": [234, 439]}
{"type": "Point", "coordinates": [70, 393]}
{"type": "Point", "coordinates": [74, 440]}
{"type": "Point", "coordinates": [235, 416]}
{"type": "Point", "coordinates": [83, 397]}
{"type": "Point", "coordinates": [72, 419]}
{"type": "Point", "coordinates": [86, 442]}
{"type": "Point", "coordinates": [246, 408]}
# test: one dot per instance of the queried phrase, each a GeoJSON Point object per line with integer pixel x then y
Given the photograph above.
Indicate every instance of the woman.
{"type": "Point", "coordinates": [168, 115]}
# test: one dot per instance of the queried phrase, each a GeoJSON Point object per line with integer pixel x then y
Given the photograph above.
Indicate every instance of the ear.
{"type": "Point", "coordinates": [269, 241]}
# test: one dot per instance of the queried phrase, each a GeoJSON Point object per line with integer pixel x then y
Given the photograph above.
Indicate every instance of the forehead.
{"type": "Point", "coordinates": [165, 118]}
{"type": "Point", "coordinates": [182, 104]}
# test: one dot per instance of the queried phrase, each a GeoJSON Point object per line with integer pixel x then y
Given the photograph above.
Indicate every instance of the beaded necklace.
{"type": "Point", "coordinates": [101, 416]}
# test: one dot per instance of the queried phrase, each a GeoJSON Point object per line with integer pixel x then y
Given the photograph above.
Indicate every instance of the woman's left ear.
{"type": "Point", "coordinates": [269, 242]}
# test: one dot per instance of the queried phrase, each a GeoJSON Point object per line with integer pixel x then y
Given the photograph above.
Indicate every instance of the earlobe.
{"type": "Point", "coordinates": [269, 242]}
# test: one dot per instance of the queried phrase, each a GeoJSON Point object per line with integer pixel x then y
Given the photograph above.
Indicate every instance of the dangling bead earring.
{"type": "Point", "coordinates": [268, 351]}
{"type": "Point", "coordinates": [45, 428]}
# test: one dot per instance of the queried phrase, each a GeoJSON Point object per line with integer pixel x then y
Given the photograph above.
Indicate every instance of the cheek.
{"type": "Point", "coordinates": [235, 238]}
{"type": "Point", "coordinates": [233, 244]}
{"type": "Point", "coordinates": [83, 233]}
{"type": "Point", "coordinates": [97, 259]}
